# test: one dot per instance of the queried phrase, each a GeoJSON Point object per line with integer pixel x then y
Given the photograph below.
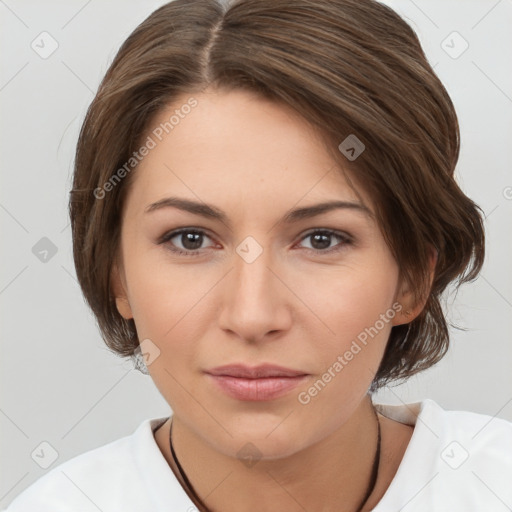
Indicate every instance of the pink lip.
{"type": "Point", "coordinates": [264, 382]}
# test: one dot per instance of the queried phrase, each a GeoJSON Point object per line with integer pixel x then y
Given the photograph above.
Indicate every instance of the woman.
{"type": "Point", "coordinates": [264, 216]}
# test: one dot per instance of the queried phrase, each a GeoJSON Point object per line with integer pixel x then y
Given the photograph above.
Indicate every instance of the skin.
{"type": "Point", "coordinates": [291, 306]}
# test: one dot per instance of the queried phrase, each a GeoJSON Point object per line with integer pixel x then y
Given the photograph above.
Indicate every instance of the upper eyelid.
{"type": "Point", "coordinates": [166, 237]}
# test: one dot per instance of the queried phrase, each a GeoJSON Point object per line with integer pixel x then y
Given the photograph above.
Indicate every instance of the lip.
{"type": "Point", "coordinates": [259, 383]}
{"type": "Point", "coordinates": [254, 372]}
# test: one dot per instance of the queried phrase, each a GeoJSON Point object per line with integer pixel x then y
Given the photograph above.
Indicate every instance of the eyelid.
{"type": "Point", "coordinates": [168, 235]}
{"type": "Point", "coordinates": [344, 237]}
{"type": "Point", "coordinates": [334, 232]}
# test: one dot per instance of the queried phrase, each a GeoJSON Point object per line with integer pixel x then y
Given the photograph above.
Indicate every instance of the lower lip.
{"type": "Point", "coordinates": [256, 389]}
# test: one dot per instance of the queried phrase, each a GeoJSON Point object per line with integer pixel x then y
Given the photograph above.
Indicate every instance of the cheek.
{"type": "Point", "coordinates": [172, 306]}
{"type": "Point", "coordinates": [350, 299]}
{"type": "Point", "coordinates": [355, 307]}
{"type": "Point", "coordinates": [161, 294]}
{"type": "Point", "coordinates": [358, 314]}
{"type": "Point", "coordinates": [167, 305]}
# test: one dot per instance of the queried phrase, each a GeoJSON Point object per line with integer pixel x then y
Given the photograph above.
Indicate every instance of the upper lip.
{"type": "Point", "coordinates": [255, 372]}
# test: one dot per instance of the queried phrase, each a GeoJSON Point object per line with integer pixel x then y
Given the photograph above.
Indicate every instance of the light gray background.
{"type": "Point", "coordinates": [60, 384]}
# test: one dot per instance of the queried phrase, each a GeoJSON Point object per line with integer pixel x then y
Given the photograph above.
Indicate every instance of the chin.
{"type": "Point", "coordinates": [264, 437]}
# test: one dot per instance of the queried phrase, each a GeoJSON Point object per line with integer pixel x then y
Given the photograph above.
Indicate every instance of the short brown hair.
{"type": "Point", "coordinates": [347, 67]}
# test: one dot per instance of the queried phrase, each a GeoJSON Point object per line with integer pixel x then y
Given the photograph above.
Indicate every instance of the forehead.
{"type": "Point", "coordinates": [236, 147]}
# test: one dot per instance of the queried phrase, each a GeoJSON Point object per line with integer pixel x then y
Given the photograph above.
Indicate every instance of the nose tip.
{"type": "Point", "coordinates": [254, 304]}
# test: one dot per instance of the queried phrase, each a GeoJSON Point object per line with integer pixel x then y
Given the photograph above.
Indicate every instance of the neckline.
{"type": "Point", "coordinates": [407, 414]}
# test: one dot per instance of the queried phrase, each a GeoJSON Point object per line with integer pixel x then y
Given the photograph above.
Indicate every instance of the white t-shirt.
{"type": "Point", "coordinates": [456, 461]}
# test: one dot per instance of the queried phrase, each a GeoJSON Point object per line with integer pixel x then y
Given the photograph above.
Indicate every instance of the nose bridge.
{"type": "Point", "coordinates": [253, 302]}
{"type": "Point", "coordinates": [253, 280]}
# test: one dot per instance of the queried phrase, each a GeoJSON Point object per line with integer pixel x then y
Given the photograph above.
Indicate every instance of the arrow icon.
{"type": "Point", "coordinates": [454, 45]}
{"type": "Point", "coordinates": [247, 252]}
{"type": "Point", "coordinates": [351, 147]}
{"type": "Point", "coordinates": [44, 455]}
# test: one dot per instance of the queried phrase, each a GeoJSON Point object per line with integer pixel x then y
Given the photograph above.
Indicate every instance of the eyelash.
{"type": "Point", "coordinates": [343, 237]}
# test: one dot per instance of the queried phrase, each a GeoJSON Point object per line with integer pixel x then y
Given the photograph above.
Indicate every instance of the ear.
{"type": "Point", "coordinates": [119, 289]}
{"type": "Point", "coordinates": [410, 310]}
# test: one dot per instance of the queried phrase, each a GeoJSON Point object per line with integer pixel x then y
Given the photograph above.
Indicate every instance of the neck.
{"type": "Point", "coordinates": [330, 475]}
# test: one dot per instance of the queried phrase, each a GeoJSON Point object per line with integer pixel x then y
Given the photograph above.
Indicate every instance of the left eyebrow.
{"type": "Point", "coordinates": [317, 209]}
{"type": "Point", "coordinates": [212, 212]}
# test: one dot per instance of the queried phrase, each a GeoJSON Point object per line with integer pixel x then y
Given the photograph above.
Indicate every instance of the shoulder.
{"type": "Point", "coordinates": [459, 460]}
{"type": "Point", "coordinates": [473, 462]}
{"type": "Point", "coordinates": [479, 434]}
{"type": "Point", "coordinates": [106, 478]}
{"type": "Point", "coordinates": [432, 422]}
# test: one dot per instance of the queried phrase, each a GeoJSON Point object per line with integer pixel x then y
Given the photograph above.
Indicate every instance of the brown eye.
{"type": "Point", "coordinates": [321, 240]}
{"type": "Point", "coordinates": [186, 241]}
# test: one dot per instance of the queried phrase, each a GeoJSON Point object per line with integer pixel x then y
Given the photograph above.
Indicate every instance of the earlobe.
{"type": "Point", "coordinates": [409, 311]}
{"type": "Point", "coordinates": [407, 314]}
{"type": "Point", "coordinates": [119, 291]}
{"type": "Point", "coordinates": [123, 306]}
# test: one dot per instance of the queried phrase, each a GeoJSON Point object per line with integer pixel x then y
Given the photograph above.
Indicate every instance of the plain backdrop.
{"type": "Point", "coordinates": [59, 383]}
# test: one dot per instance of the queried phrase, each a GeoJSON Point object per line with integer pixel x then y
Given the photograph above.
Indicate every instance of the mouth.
{"type": "Point", "coordinates": [260, 383]}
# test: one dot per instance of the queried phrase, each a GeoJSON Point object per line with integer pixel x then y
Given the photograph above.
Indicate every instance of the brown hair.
{"type": "Point", "coordinates": [347, 67]}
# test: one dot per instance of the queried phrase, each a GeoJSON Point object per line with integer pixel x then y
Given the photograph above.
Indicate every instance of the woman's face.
{"type": "Point", "coordinates": [316, 294]}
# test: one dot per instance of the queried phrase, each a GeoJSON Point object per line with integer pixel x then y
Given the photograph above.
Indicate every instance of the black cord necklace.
{"type": "Point", "coordinates": [375, 469]}
{"type": "Point", "coordinates": [371, 485]}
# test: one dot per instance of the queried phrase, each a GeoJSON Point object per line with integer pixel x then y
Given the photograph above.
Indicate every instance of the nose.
{"type": "Point", "coordinates": [256, 301]}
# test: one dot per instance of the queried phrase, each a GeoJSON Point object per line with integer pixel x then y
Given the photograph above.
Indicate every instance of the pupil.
{"type": "Point", "coordinates": [326, 241]}
{"type": "Point", "coordinates": [191, 241]}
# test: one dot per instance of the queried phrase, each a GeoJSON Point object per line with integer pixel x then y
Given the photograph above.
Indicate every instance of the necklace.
{"type": "Point", "coordinates": [371, 485]}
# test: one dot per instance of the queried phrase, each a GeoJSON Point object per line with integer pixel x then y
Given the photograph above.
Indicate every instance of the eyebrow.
{"type": "Point", "coordinates": [212, 212]}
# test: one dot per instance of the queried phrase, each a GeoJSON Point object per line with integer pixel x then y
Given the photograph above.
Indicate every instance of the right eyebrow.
{"type": "Point", "coordinates": [212, 212]}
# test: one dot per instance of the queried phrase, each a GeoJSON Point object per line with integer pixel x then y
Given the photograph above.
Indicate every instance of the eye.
{"type": "Point", "coordinates": [321, 240]}
{"type": "Point", "coordinates": [191, 240]}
